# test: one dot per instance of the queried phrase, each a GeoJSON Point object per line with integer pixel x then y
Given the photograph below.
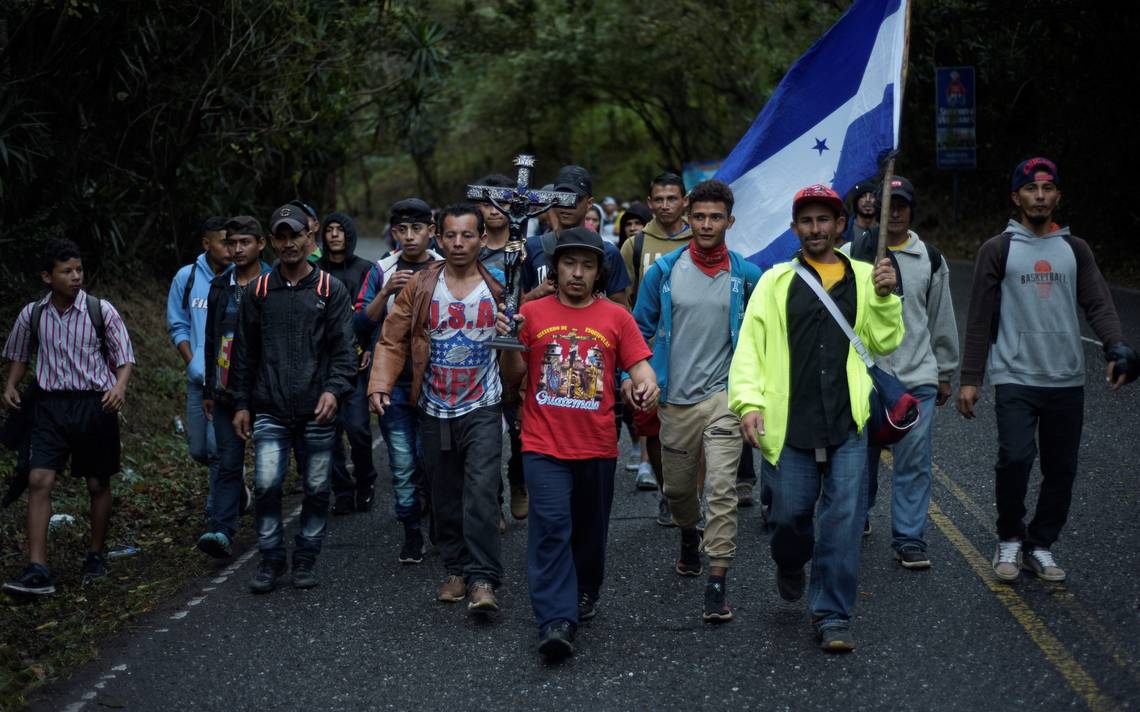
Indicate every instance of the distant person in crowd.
{"type": "Point", "coordinates": [863, 206]}
{"type": "Point", "coordinates": [186, 324]}
{"type": "Point", "coordinates": [692, 300]}
{"type": "Point", "coordinates": [1023, 328]}
{"type": "Point", "coordinates": [413, 230]}
{"type": "Point", "coordinates": [802, 394]}
{"type": "Point", "coordinates": [666, 231]}
{"type": "Point", "coordinates": [611, 214]}
{"type": "Point", "coordinates": [442, 322]}
{"type": "Point", "coordinates": [576, 342]}
{"type": "Point", "coordinates": [537, 278]}
{"type": "Point", "coordinates": [593, 220]}
{"type": "Point", "coordinates": [84, 360]}
{"type": "Point", "coordinates": [294, 360]}
{"type": "Point", "coordinates": [633, 220]}
{"type": "Point", "coordinates": [498, 228]}
{"type": "Point", "coordinates": [924, 362]}
{"type": "Point", "coordinates": [351, 493]}
{"type": "Point", "coordinates": [245, 241]}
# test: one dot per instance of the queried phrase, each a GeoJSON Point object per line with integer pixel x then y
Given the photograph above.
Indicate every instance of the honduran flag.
{"type": "Point", "coordinates": [832, 116]}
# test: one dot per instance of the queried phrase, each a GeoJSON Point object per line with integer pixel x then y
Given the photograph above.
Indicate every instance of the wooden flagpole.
{"type": "Point", "coordinates": [889, 171]}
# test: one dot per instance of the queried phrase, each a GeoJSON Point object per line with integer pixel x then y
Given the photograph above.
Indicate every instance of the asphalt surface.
{"type": "Point", "coordinates": [372, 635]}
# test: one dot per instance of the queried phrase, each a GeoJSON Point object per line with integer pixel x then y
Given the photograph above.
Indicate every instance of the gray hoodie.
{"type": "Point", "coordinates": [928, 353]}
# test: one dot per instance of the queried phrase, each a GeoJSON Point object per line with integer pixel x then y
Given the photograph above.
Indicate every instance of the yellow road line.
{"type": "Point", "coordinates": [1057, 591]}
{"type": "Point", "coordinates": [1055, 651]}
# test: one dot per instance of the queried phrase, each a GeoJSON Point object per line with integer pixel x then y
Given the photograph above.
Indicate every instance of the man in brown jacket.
{"type": "Point", "coordinates": [444, 320]}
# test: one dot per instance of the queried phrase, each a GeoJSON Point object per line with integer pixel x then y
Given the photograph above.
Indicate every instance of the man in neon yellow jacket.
{"type": "Point", "coordinates": [803, 394]}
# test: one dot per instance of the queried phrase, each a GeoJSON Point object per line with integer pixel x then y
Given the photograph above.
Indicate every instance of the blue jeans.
{"type": "Point", "coordinates": [567, 529]}
{"type": "Point", "coordinates": [354, 420]}
{"type": "Point", "coordinates": [910, 494]}
{"type": "Point", "coordinates": [203, 447]}
{"type": "Point", "coordinates": [840, 487]}
{"type": "Point", "coordinates": [272, 441]}
{"type": "Point", "coordinates": [405, 454]}
{"type": "Point", "coordinates": [227, 485]}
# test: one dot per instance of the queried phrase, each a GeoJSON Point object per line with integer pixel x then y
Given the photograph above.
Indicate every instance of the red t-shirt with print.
{"type": "Point", "coordinates": [573, 353]}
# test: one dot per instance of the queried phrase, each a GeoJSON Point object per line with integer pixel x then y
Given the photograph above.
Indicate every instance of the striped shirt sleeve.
{"type": "Point", "coordinates": [19, 341]}
{"type": "Point", "coordinates": [119, 346]}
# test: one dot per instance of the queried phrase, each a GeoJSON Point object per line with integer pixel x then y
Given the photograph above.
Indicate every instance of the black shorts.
{"type": "Point", "coordinates": [74, 424]}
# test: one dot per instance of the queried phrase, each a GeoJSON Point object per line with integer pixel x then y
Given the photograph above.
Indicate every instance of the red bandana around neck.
{"type": "Point", "coordinates": [709, 261]}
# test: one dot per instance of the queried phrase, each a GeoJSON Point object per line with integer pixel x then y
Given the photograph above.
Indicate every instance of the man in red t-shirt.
{"type": "Point", "coordinates": [575, 343]}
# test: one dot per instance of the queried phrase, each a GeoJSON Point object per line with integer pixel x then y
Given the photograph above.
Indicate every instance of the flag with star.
{"type": "Point", "coordinates": [831, 117]}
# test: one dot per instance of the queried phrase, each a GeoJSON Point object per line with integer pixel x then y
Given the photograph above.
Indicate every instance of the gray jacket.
{"type": "Point", "coordinates": [928, 353]}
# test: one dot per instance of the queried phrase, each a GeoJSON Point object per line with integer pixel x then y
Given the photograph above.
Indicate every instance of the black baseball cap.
{"type": "Point", "coordinates": [291, 215]}
{"type": "Point", "coordinates": [1035, 169]}
{"type": "Point", "coordinates": [576, 179]}
{"type": "Point", "coordinates": [410, 210]}
{"type": "Point", "coordinates": [902, 188]}
{"type": "Point", "coordinates": [307, 209]}
{"type": "Point", "coordinates": [579, 238]}
{"type": "Point", "coordinates": [243, 225]}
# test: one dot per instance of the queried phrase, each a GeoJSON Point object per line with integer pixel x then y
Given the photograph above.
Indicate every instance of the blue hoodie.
{"type": "Point", "coordinates": [190, 324]}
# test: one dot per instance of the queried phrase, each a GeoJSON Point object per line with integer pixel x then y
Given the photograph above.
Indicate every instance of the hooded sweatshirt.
{"type": "Point", "coordinates": [1032, 297]}
{"type": "Point", "coordinates": [353, 270]}
{"type": "Point", "coordinates": [189, 324]}
{"type": "Point", "coordinates": [654, 244]}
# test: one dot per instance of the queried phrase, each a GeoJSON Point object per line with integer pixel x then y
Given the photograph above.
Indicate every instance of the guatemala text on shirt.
{"type": "Point", "coordinates": [830, 119]}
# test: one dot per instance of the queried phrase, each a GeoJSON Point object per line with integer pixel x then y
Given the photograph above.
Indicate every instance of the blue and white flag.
{"type": "Point", "coordinates": [835, 112]}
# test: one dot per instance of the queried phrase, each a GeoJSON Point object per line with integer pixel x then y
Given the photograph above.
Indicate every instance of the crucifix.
{"type": "Point", "coordinates": [518, 204]}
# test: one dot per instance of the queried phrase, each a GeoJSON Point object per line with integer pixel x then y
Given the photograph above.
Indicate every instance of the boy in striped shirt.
{"type": "Point", "coordinates": [80, 387]}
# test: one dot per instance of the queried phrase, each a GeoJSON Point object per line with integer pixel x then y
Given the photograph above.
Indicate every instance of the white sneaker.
{"type": "Point", "coordinates": [1007, 559]}
{"type": "Point", "coordinates": [1040, 562]}
{"type": "Point", "coordinates": [633, 465]}
{"type": "Point", "coordinates": [645, 479]}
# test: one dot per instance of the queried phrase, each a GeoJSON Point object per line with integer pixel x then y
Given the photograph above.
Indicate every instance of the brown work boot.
{"type": "Point", "coordinates": [520, 502]}
{"type": "Point", "coordinates": [452, 590]}
{"type": "Point", "coordinates": [482, 598]}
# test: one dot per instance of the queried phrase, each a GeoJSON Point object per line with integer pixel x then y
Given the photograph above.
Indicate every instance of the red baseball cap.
{"type": "Point", "coordinates": [818, 194]}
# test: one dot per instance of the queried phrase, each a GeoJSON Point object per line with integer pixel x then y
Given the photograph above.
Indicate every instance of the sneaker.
{"type": "Point", "coordinates": [482, 598]}
{"type": "Point", "coordinates": [690, 562]}
{"type": "Point", "coordinates": [867, 527]}
{"type": "Point", "coordinates": [912, 558]}
{"type": "Point", "coordinates": [664, 516]}
{"type": "Point", "coordinates": [94, 568]}
{"type": "Point", "coordinates": [1039, 561]}
{"type": "Point", "coordinates": [215, 544]}
{"type": "Point", "coordinates": [790, 584]}
{"type": "Point", "coordinates": [587, 607]}
{"type": "Point", "coordinates": [453, 590]}
{"type": "Point", "coordinates": [245, 500]}
{"type": "Point", "coordinates": [835, 639]}
{"type": "Point", "coordinates": [744, 494]}
{"type": "Point", "coordinates": [717, 609]}
{"type": "Point", "coordinates": [520, 502]}
{"type": "Point", "coordinates": [412, 552]}
{"type": "Point", "coordinates": [364, 499]}
{"type": "Point", "coordinates": [265, 580]}
{"type": "Point", "coordinates": [35, 581]}
{"type": "Point", "coordinates": [645, 480]}
{"type": "Point", "coordinates": [633, 465]}
{"type": "Point", "coordinates": [1007, 559]}
{"type": "Point", "coordinates": [557, 641]}
{"type": "Point", "coordinates": [344, 504]}
{"type": "Point", "coordinates": [304, 575]}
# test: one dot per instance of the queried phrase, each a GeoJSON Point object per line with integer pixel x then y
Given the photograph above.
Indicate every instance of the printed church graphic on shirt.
{"type": "Point", "coordinates": [573, 373]}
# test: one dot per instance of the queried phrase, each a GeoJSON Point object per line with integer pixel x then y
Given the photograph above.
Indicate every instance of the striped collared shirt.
{"type": "Point", "coordinates": [69, 357]}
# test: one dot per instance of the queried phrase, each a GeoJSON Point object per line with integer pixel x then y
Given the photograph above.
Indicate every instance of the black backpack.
{"type": "Point", "coordinates": [94, 313]}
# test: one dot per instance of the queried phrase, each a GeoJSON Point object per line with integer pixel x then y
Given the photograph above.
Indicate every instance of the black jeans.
{"type": "Point", "coordinates": [463, 458]}
{"type": "Point", "coordinates": [1023, 413]}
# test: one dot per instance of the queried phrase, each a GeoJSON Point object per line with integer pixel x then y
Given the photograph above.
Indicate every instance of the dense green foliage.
{"type": "Point", "coordinates": [124, 123]}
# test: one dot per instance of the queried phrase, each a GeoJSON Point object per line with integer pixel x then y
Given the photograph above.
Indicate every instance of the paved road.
{"type": "Point", "coordinates": [371, 636]}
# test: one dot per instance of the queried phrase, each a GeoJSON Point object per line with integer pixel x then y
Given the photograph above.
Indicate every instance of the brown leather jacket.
{"type": "Point", "coordinates": [406, 330]}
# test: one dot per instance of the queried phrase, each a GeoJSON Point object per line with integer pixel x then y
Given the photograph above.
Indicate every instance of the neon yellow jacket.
{"type": "Point", "coordinates": [760, 375]}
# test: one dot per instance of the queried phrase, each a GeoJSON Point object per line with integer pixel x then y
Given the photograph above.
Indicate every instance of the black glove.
{"type": "Point", "coordinates": [1126, 361]}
